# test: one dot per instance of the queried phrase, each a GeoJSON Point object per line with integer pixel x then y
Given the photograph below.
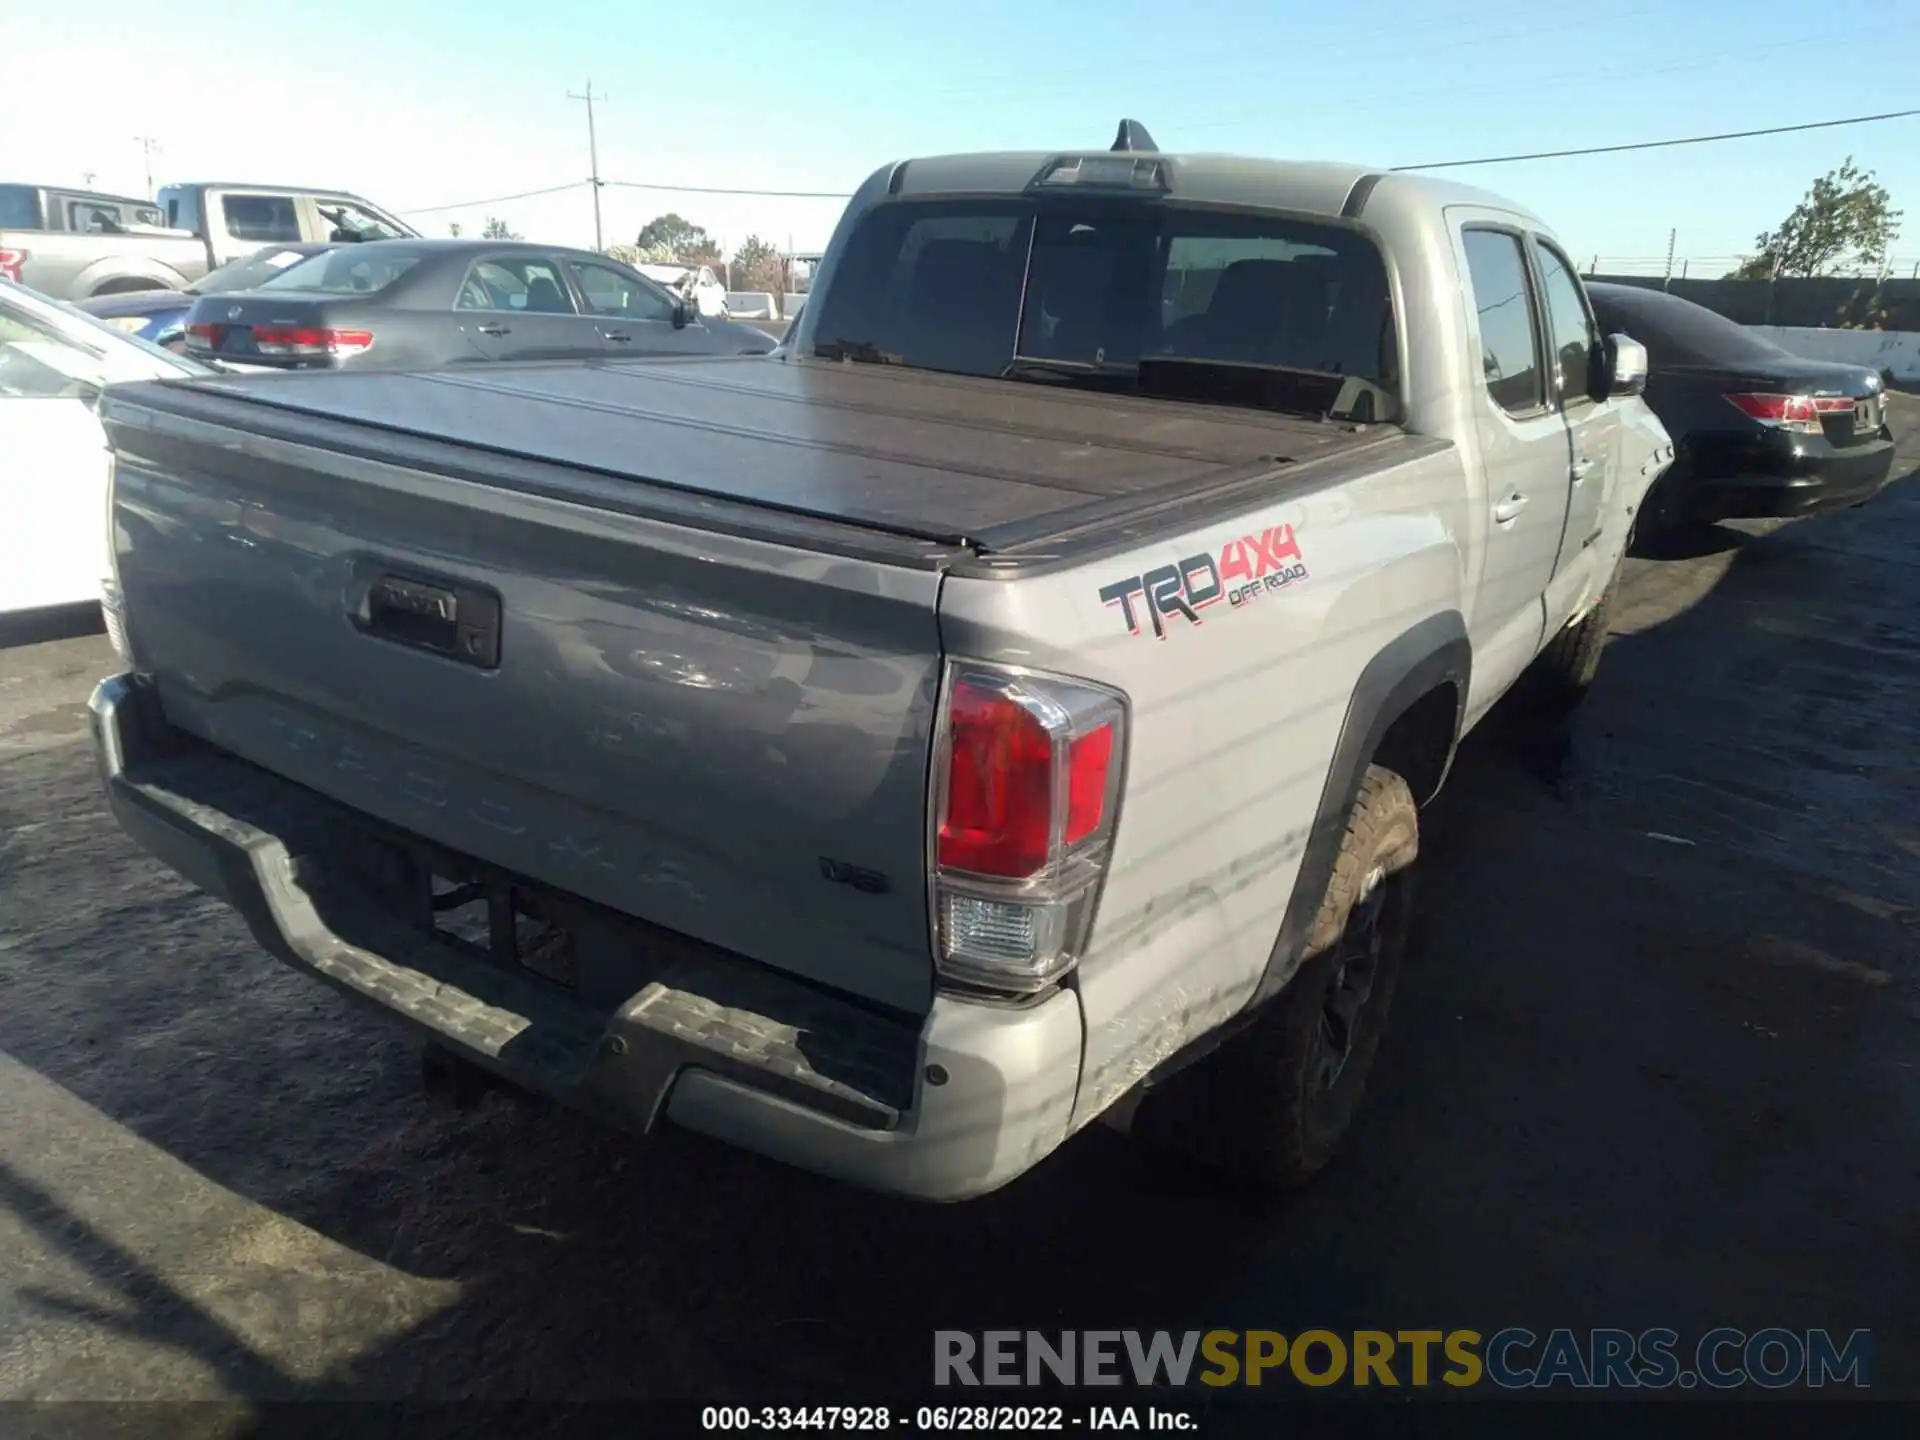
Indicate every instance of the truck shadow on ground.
{"type": "Point", "coordinates": [1643, 1065]}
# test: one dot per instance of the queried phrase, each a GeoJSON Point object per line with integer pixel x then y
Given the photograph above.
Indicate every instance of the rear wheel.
{"type": "Point", "coordinates": [1271, 1106]}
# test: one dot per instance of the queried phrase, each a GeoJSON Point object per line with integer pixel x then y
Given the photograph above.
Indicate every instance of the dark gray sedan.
{"type": "Point", "coordinates": [421, 304]}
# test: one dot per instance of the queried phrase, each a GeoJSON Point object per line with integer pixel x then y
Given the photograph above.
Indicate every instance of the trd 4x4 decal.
{"type": "Point", "coordinates": [1245, 569]}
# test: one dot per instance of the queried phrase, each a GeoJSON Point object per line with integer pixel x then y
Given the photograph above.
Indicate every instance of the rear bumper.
{"type": "Point", "coordinates": [955, 1107]}
{"type": "Point", "coordinates": [1795, 483]}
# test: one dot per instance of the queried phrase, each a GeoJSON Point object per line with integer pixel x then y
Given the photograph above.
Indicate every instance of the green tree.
{"type": "Point", "coordinates": [454, 228]}
{"type": "Point", "coordinates": [1846, 217]}
{"type": "Point", "coordinates": [671, 237]}
{"type": "Point", "coordinates": [757, 265]}
{"type": "Point", "coordinates": [496, 229]}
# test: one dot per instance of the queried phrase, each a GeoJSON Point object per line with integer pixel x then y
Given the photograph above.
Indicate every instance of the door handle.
{"type": "Point", "coordinates": [622, 336]}
{"type": "Point", "coordinates": [494, 329]}
{"type": "Point", "coordinates": [1582, 468]}
{"type": "Point", "coordinates": [1507, 509]}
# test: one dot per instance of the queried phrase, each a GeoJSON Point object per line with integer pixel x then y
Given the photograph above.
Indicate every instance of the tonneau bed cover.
{"type": "Point", "coordinates": [935, 457]}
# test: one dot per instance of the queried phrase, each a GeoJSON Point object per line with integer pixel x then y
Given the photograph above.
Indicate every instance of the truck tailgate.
{"type": "Point", "coordinates": [709, 732]}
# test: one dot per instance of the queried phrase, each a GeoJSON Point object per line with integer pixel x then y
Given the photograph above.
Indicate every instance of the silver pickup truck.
{"type": "Point", "coordinates": [79, 245]}
{"type": "Point", "coordinates": [1009, 706]}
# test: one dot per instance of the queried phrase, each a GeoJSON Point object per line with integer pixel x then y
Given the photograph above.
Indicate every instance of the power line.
{"type": "Point", "coordinates": [494, 200]}
{"type": "Point", "coordinates": [726, 190]}
{"type": "Point", "coordinates": [1430, 165]}
{"type": "Point", "coordinates": [1664, 144]}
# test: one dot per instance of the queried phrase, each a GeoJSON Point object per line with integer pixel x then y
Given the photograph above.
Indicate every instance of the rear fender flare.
{"type": "Point", "coordinates": [1432, 653]}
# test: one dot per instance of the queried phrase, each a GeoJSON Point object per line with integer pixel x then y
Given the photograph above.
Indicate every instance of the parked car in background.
{"type": "Point", "coordinates": [72, 244]}
{"type": "Point", "coordinates": [206, 226]}
{"type": "Point", "coordinates": [53, 453]}
{"type": "Point", "coordinates": [1758, 431]}
{"type": "Point", "coordinates": [699, 281]}
{"type": "Point", "coordinates": [159, 317]}
{"type": "Point", "coordinates": [408, 304]}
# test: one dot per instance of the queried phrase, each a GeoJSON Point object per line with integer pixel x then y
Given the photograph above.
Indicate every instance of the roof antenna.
{"type": "Point", "coordinates": [1133, 136]}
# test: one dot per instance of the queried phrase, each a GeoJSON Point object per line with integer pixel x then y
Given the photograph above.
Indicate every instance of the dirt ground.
{"type": "Point", "coordinates": [1656, 1062]}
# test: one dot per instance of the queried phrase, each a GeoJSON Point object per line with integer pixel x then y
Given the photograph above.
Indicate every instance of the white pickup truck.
{"type": "Point", "coordinates": [897, 753]}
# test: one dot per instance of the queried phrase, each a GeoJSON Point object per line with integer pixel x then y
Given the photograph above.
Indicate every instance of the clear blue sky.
{"type": "Point", "coordinates": [421, 102]}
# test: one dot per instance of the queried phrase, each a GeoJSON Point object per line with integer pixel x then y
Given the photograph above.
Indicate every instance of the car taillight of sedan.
{"type": "Point", "coordinates": [289, 340]}
{"type": "Point", "coordinates": [1798, 413]}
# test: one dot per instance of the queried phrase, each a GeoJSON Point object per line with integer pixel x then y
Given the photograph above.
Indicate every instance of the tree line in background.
{"type": "Point", "coordinates": [671, 239]}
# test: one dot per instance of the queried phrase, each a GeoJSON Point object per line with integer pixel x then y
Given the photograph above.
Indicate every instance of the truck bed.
{"type": "Point", "coordinates": [939, 458]}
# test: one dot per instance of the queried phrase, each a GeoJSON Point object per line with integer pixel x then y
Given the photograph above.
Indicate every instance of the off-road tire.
{"type": "Point", "coordinates": [1262, 1110]}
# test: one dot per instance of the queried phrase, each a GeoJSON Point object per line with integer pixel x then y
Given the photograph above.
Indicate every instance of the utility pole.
{"type": "Point", "coordinates": [1672, 236]}
{"type": "Point", "coordinates": [147, 146]}
{"type": "Point", "coordinates": [593, 152]}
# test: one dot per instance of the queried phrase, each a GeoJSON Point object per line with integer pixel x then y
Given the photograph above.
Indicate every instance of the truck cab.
{"type": "Point", "coordinates": [236, 220]}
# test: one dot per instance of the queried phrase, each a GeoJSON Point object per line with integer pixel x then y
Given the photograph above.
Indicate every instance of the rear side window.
{"type": "Point", "coordinates": [19, 207]}
{"type": "Point", "coordinates": [261, 217]}
{"type": "Point", "coordinates": [1509, 345]}
{"type": "Point", "coordinates": [351, 270]}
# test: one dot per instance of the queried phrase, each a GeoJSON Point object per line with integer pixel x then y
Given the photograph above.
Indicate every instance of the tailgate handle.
{"type": "Point", "coordinates": [457, 621]}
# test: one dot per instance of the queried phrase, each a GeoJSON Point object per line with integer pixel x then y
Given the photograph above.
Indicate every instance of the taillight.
{"type": "Point", "coordinates": [11, 263]}
{"type": "Point", "coordinates": [1026, 783]}
{"type": "Point", "coordinates": [207, 335]}
{"type": "Point", "coordinates": [309, 340]}
{"type": "Point", "coordinates": [1799, 413]}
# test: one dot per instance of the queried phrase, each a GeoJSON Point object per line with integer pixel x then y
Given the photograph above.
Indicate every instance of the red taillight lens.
{"type": "Point", "coordinates": [999, 818]}
{"type": "Point", "coordinates": [207, 335]}
{"type": "Point", "coordinates": [1088, 760]}
{"type": "Point", "coordinates": [11, 263]}
{"type": "Point", "coordinates": [309, 340]}
{"type": "Point", "coordinates": [1791, 412]}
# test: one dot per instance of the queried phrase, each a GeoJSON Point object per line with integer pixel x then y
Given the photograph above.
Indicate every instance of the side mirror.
{"type": "Point", "coordinates": [685, 311]}
{"type": "Point", "coordinates": [1626, 365]}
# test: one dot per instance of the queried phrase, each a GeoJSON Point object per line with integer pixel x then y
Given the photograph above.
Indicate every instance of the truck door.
{"type": "Point", "coordinates": [1593, 425]}
{"type": "Point", "coordinates": [1524, 455]}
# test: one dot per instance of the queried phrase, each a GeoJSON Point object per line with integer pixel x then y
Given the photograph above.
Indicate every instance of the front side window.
{"type": "Point", "coordinates": [261, 217]}
{"type": "Point", "coordinates": [1509, 345]}
{"type": "Point", "coordinates": [609, 290]}
{"type": "Point", "coordinates": [1147, 297]}
{"type": "Point", "coordinates": [86, 215]}
{"type": "Point", "coordinates": [345, 222]}
{"type": "Point", "coordinates": [1574, 334]}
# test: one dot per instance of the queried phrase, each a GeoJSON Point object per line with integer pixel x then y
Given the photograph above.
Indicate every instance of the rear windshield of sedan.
{"type": "Point", "coordinates": [347, 271]}
{"type": "Point", "coordinates": [985, 287]}
{"type": "Point", "coordinates": [1679, 332]}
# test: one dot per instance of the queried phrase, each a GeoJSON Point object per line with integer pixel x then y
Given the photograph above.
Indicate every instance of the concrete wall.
{"type": "Point", "coordinates": [1896, 352]}
{"type": "Point", "coordinates": [752, 305]}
